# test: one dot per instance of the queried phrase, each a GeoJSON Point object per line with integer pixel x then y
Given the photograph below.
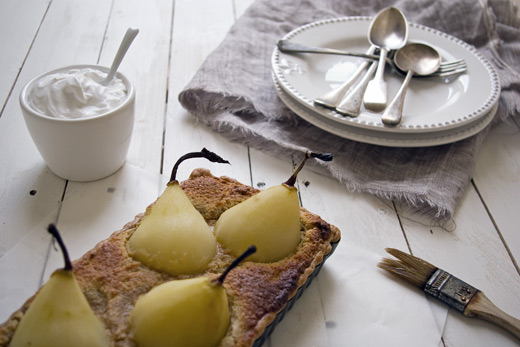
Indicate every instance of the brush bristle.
{"type": "Point", "coordinates": [408, 267]}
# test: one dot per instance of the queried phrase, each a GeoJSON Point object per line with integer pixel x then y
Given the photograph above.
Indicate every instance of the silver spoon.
{"type": "Point", "coordinates": [350, 104]}
{"type": "Point", "coordinates": [415, 58]}
{"type": "Point", "coordinates": [388, 30]}
{"type": "Point", "coordinates": [123, 48]}
{"type": "Point", "coordinates": [332, 98]}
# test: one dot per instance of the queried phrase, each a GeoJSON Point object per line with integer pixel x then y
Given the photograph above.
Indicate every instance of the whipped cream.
{"type": "Point", "coordinates": [76, 93]}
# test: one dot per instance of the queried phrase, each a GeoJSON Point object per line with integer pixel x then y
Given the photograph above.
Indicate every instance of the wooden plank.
{"type": "Point", "coordinates": [198, 28]}
{"type": "Point", "coordinates": [471, 250]}
{"type": "Point", "coordinates": [268, 171]}
{"type": "Point", "coordinates": [21, 268]}
{"type": "Point", "coordinates": [365, 221]}
{"type": "Point", "coordinates": [146, 65]}
{"type": "Point", "coordinates": [19, 23]}
{"type": "Point", "coordinates": [497, 178]}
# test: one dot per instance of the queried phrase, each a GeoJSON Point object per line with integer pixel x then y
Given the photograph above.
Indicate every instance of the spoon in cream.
{"type": "Point", "coordinates": [129, 37]}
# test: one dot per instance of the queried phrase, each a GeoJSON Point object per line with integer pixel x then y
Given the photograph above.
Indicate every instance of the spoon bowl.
{"type": "Point", "coordinates": [419, 58]}
{"type": "Point", "coordinates": [415, 58]}
{"type": "Point", "coordinates": [388, 30]}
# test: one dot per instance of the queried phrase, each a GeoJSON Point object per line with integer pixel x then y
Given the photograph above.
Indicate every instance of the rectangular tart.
{"type": "Point", "coordinates": [259, 294]}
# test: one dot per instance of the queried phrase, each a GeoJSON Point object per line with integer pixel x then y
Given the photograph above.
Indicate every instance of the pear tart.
{"type": "Point", "coordinates": [259, 293]}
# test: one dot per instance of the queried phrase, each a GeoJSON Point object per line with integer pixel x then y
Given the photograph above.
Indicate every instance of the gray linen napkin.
{"type": "Point", "coordinates": [233, 93]}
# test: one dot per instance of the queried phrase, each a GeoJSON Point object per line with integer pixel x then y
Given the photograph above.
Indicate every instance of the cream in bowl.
{"type": "Point", "coordinates": [76, 93]}
{"type": "Point", "coordinates": [81, 127]}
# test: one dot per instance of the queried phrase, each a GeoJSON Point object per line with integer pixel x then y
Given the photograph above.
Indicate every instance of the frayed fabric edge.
{"type": "Point", "coordinates": [201, 101]}
{"type": "Point", "coordinates": [415, 203]}
{"type": "Point", "coordinates": [206, 102]}
{"type": "Point", "coordinates": [419, 204]}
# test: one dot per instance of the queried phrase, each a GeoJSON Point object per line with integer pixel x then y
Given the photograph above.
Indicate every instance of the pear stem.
{"type": "Point", "coordinates": [321, 156]}
{"type": "Point", "coordinates": [54, 232]}
{"type": "Point", "coordinates": [204, 153]}
{"type": "Point", "coordinates": [250, 250]}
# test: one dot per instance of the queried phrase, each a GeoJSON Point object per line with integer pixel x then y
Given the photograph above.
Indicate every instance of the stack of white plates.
{"type": "Point", "coordinates": [436, 111]}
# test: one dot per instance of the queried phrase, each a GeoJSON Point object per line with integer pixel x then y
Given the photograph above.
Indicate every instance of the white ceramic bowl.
{"type": "Point", "coordinates": [84, 149]}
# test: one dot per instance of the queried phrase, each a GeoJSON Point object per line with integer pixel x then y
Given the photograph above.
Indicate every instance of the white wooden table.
{"type": "Point", "coordinates": [481, 244]}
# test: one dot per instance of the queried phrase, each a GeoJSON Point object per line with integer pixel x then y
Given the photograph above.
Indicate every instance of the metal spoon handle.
{"type": "Point", "coordinates": [123, 48]}
{"type": "Point", "coordinates": [375, 98]}
{"type": "Point", "coordinates": [394, 111]}
{"type": "Point", "coordinates": [291, 47]}
{"type": "Point", "coordinates": [351, 104]}
{"type": "Point", "coordinates": [333, 97]}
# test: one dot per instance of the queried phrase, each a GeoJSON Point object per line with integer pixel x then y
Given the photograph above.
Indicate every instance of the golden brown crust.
{"type": "Point", "coordinates": [112, 280]}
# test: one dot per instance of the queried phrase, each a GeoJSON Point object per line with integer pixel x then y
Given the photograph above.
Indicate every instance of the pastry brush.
{"type": "Point", "coordinates": [448, 288]}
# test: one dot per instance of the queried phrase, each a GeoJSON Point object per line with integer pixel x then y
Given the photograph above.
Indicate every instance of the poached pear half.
{"type": "Point", "coordinates": [188, 312]}
{"type": "Point", "coordinates": [174, 237]}
{"type": "Point", "coordinates": [270, 220]}
{"type": "Point", "coordinates": [60, 315]}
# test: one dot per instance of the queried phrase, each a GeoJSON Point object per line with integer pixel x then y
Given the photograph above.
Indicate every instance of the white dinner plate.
{"type": "Point", "coordinates": [431, 105]}
{"type": "Point", "coordinates": [388, 139]}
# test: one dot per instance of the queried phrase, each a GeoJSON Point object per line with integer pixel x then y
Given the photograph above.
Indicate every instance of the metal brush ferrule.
{"type": "Point", "coordinates": [449, 289]}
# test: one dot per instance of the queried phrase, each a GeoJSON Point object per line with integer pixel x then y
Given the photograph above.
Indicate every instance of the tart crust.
{"type": "Point", "coordinates": [112, 280]}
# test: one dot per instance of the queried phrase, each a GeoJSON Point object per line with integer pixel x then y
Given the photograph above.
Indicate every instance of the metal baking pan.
{"type": "Point", "coordinates": [270, 328]}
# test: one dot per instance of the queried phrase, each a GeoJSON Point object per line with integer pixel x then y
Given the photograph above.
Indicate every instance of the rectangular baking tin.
{"type": "Point", "coordinates": [270, 328]}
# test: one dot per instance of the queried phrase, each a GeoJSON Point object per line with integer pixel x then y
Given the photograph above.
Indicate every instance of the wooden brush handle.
{"type": "Point", "coordinates": [481, 307]}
